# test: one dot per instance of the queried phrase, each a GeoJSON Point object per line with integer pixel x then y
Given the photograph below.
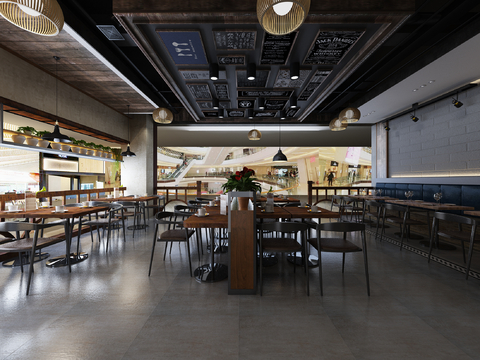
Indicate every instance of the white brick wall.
{"type": "Point", "coordinates": [444, 142]}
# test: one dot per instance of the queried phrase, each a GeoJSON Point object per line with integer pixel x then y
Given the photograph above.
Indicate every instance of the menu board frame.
{"type": "Point", "coordinates": [276, 93]}
{"type": "Point", "coordinates": [310, 60]}
{"type": "Point", "coordinates": [221, 60]}
{"type": "Point", "coordinates": [286, 53]}
{"type": "Point", "coordinates": [265, 113]}
{"type": "Point", "coordinates": [237, 113]}
{"type": "Point", "coordinates": [312, 85]}
{"type": "Point", "coordinates": [191, 37]}
{"type": "Point", "coordinates": [283, 79]}
{"type": "Point", "coordinates": [208, 105]}
{"type": "Point", "coordinates": [215, 85]}
{"type": "Point", "coordinates": [205, 72]}
{"type": "Point", "coordinates": [233, 48]}
{"type": "Point", "coordinates": [191, 85]}
{"type": "Point", "coordinates": [275, 104]}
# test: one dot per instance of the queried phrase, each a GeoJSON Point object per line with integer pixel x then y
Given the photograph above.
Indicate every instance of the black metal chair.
{"type": "Point", "coordinates": [171, 234]}
{"type": "Point", "coordinates": [372, 209]}
{"type": "Point", "coordinates": [353, 206]}
{"type": "Point", "coordinates": [109, 222]}
{"type": "Point", "coordinates": [337, 203]}
{"type": "Point", "coordinates": [403, 220]}
{"type": "Point", "coordinates": [283, 244]}
{"type": "Point", "coordinates": [138, 211]}
{"type": "Point", "coordinates": [27, 245]}
{"type": "Point", "coordinates": [339, 245]}
{"type": "Point", "coordinates": [458, 235]}
{"type": "Point", "coordinates": [159, 206]}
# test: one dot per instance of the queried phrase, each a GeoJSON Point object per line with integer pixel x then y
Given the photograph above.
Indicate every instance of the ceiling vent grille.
{"type": "Point", "coordinates": [110, 32]}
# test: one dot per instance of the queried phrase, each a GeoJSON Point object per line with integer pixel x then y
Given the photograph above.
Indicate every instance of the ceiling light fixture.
{"type": "Point", "coordinates": [283, 115]}
{"type": "Point", "coordinates": [261, 103]}
{"type": "Point", "coordinates": [128, 153]}
{"type": "Point", "coordinates": [251, 71]}
{"type": "Point", "coordinates": [213, 72]}
{"type": "Point", "coordinates": [279, 17]}
{"type": "Point", "coordinates": [56, 136]}
{"type": "Point", "coordinates": [414, 118]}
{"type": "Point", "coordinates": [41, 17]}
{"type": "Point", "coordinates": [253, 134]}
{"type": "Point", "coordinates": [294, 70]}
{"type": "Point", "coordinates": [337, 125]}
{"type": "Point", "coordinates": [293, 102]}
{"type": "Point", "coordinates": [215, 103]}
{"type": "Point", "coordinates": [386, 127]}
{"type": "Point", "coordinates": [349, 115]}
{"type": "Point", "coordinates": [456, 102]}
{"type": "Point", "coordinates": [250, 113]}
{"type": "Point", "coordinates": [279, 156]}
{"type": "Point", "coordinates": [162, 116]}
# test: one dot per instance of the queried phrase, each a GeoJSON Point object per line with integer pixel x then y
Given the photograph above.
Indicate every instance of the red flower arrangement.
{"type": "Point", "coordinates": [242, 181]}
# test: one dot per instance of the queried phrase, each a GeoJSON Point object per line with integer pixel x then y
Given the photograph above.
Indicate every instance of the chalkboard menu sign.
{"type": "Point", "coordinates": [200, 91]}
{"type": "Point", "coordinates": [246, 103]}
{"type": "Point", "coordinates": [271, 104]}
{"type": "Point", "coordinates": [231, 59]}
{"type": "Point", "coordinates": [313, 85]}
{"type": "Point", "coordinates": [222, 91]}
{"type": "Point", "coordinates": [265, 114]}
{"type": "Point", "coordinates": [210, 113]}
{"type": "Point", "coordinates": [330, 47]}
{"type": "Point", "coordinates": [283, 79]}
{"type": "Point", "coordinates": [264, 93]}
{"type": "Point", "coordinates": [189, 74]}
{"type": "Point", "coordinates": [261, 77]}
{"type": "Point", "coordinates": [292, 112]}
{"type": "Point", "coordinates": [276, 49]}
{"type": "Point", "coordinates": [235, 39]}
{"type": "Point", "coordinates": [236, 113]}
{"type": "Point", "coordinates": [209, 104]}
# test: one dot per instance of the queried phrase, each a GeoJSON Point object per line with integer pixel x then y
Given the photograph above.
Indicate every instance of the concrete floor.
{"type": "Point", "coordinates": [108, 308]}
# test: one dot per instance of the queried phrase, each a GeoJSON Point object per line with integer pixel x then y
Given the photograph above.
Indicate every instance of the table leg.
{"type": "Point", "coordinates": [73, 258]}
{"type": "Point", "coordinates": [212, 272]}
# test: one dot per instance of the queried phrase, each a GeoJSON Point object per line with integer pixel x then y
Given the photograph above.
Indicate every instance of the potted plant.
{"type": "Point", "coordinates": [42, 143]}
{"type": "Point", "coordinates": [27, 130]}
{"type": "Point", "coordinates": [83, 149]}
{"type": "Point", "coordinates": [108, 152]}
{"type": "Point", "coordinates": [98, 150]}
{"type": "Point", "coordinates": [75, 149]}
{"type": "Point", "coordinates": [242, 181]}
{"type": "Point", "coordinates": [90, 151]}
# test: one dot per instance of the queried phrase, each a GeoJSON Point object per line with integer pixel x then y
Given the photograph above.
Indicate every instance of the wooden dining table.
{"type": "Point", "coordinates": [214, 272]}
{"type": "Point", "coordinates": [49, 213]}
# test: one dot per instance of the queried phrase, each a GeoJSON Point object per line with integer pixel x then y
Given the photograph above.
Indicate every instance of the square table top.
{"type": "Point", "coordinates": [430, 205]}
{"type": "Point", "coordinates": [48, 213]}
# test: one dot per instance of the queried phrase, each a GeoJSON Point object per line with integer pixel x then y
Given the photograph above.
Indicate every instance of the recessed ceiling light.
{"type": "Point", "coordinates": [431, 81]}
{"type": "Point", "coordinates": [423, 85]}
{"type": "Point", "coordinates": [415, 90]}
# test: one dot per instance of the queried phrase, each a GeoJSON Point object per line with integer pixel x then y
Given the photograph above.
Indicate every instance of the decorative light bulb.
{"type": "Point", "coordinates": [283, 8]}
{"type": "Point", "coordinates": [29, 11]}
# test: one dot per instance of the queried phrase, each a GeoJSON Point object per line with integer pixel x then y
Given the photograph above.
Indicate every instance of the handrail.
{"type": "Point", "coordinates": [51, 194]}
{"type": "Point", "coordinates": [325, 189]}
{"type": "Point", "coordinates": [166, 190]}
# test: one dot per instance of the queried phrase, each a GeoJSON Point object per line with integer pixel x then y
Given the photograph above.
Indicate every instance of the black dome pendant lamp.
{"type": "Point", "coordinates": [128, 153]}
{"type": "Point", "coordinates": [56, 136]}
{"type": "Point", "coordinates": [279, 156]}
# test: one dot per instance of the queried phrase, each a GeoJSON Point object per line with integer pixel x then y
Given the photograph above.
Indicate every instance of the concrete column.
{"type": "Point", "coordinates": [137, 172]}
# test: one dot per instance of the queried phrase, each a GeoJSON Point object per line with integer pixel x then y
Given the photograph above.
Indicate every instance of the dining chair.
{"type": "Point", "coordinates": [27, 245]}
{"type": "Point", "coordinates": [183, 212]}
{"type": "Point", "coordinates": [403, 220]}
{"type": "Point", "coordinates": [109, 222]}
{"type": "Point", "coordinates": [458, 235]}
{"type": "Point", "coordinates": [372, 209]}
{"type": "Point", "coordinates": [138, 210]}
{"type": "Point", "coordinates": [337, 203]}
{"type": "Point", "coordinates": [173, 233]}
{"type": "Point", "coordinates": [282, 243]}
{"type": "Point", "coordinates": [353, 205]}
{"type": "Point", "coordinates": [158, 206]}
{"type": "Point", "coordinates": [339, 245]}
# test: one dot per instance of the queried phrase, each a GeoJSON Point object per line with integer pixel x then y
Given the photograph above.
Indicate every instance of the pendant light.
{"type": "Point", "coordinates": [279, 156]}
{"type": "Point", "coordinates": [128, 153]}
{"type": "Point", "coordinates": [214, 71]}
{"type": "Point", "coordinates": [280, 17]}
{"type": "Point", "coordinates": [337, 125]}
{"type": "Point", "coordinates": [253, 134]}
{"type": "Point", "coordinates": [349, 115]}
{"type": "Point", "coordinates": [56, 136]}
{"type": "Point", "coordinates": [162, 116]}
{"type": "Point", "coordinates": [41, 17]}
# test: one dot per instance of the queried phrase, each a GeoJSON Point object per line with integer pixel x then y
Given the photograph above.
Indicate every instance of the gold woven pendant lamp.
{"type": "Point", "coordinates": [280, 17]}
{"type": "Point", "coordinates": [349, 115]}
{"type": "Point", "coordinates": [162, 116]}
{"type": "Point", "coordinates": [41, 17]}
{"type": "Point", "coordinates": [254, 134]}
{"type": "Point", "coordinates": [337, 125]}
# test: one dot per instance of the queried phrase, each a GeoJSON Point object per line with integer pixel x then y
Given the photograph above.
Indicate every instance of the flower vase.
{"type": "Point", "coordinates": [243, 203]}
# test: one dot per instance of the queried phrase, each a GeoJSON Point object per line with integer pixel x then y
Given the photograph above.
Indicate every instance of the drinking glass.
{"type": "Point", "coordinates": [437, 197]}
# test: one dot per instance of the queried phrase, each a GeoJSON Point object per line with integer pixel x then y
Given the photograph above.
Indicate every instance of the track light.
{"type": "Point", "coordinates": [215, 103]}
{"type": "Point", "coordinates": [221, 113]}
{"type": "Point", "coordinates": [250, 113]}
{"type": "Point", "coordinates": [387, 128]}
{"type": "Point", "coordinates": [251, 71]}
{"type": "Point", "coordinates": [457, 103]}
{"type": "Point", "coordinates": [261, 103]}
{"type": "Point", "coordinates": [294, 71]}
{"type": "Point", "coordinates": [214, 71]}
{"type": "Point", "coordinates": [414, 118]}
{"type": "Point", "coordinates": [283, 115]}
{"type": "Point", "coordinates": [293, 102]}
